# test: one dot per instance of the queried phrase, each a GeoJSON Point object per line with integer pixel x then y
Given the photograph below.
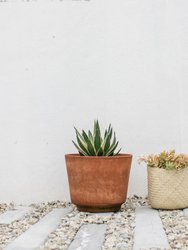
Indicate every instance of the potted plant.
{"type": "Point", "coordinates": [98, 176]}
{"type": "Point", "coordinates": [167, 180]}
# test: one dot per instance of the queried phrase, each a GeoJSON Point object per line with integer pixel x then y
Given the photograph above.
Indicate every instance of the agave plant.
{"type": "Point", "coordinates": [89, 144]}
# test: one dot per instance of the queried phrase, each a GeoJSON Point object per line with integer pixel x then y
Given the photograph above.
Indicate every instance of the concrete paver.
{"type": "Point", "coordinates": [185, 211]}
{"type": "Point", "coordinates": [13, 215]}
{"type": "Point", "coordinates": [37, 234]}
{"type": "Point", "coordinates": [149, 232]}
{"type": "Point", "coordinates": [89, 237]}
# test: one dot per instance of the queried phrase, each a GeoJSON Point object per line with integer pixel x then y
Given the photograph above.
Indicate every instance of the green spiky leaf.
{"type": "Point", "coordinates": [81, 152]}
{"type": "Point", "coordinates": [112, 149]}
{"type": "Point", "coordinates": [90, 136]}
{"type": "Point", "coordinates": [94, 144]}
{"type": "Point", "coordinates": [83, 146]}
{"type": "Point", "coordinates": [97, 136]}
{"type": "Point", "coordinates": [90, 146]}
{"type": "Point", "coordinates": [107, 141]}
{"type": "Point", "coordinates": [117, 152]}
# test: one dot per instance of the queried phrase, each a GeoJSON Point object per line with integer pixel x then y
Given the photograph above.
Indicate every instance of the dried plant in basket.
{"type": "Point", "coordinates": [168, 160]}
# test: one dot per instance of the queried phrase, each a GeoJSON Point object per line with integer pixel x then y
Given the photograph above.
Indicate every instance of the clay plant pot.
{"type": "Point", "coordinates": [97, 183]}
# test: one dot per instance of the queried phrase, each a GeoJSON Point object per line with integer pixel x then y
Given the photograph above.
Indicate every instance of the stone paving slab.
{"type": "Point", "coordinates": [101, 214]}
{"type": "Point", "coordinates": [149, 232]}
{"type": "Point", "coordinates": [89, 237]}
{"type": "Point", "coordinates": [185, 211]}
{"type": "Point", "coordinates": [37, 234]}
{"type": "Point", "coordinates": [13, 215]}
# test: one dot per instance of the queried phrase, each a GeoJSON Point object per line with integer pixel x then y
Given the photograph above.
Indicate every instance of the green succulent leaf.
{"type": "Point", "coordinates": [90, 136]}
{"type": "Point", "coordinates": [81, 152]}
{"type": "Point", "coordinates": [105, 133]}
{"type": "Point", "coordinates": [107, 141]}
{"type": "Point", "coordinates": [83, 146]}
{"type": "Point", "coordinates": [112, 149]}
{"type": "Point", "coordinates": [97, 136]}
{"type": "Point", "coordinates": [79, 135]}
{"type": "Point", "coordinates": [109, 128]}
{"type": "Point", "coordinates": [90, 146]}
{"type": "Point", "coordinates": [94, 144]}
{"type": "Point", "coordinates": [100, 152]}
{"type": "Point", "coordinates": [117, 152]}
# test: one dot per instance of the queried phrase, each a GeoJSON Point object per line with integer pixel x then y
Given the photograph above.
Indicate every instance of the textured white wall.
{"type": "Point", "coordinates": [65, 63]}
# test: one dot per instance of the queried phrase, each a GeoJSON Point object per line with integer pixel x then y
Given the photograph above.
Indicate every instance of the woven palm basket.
{"type": "Point", "coordinates": [168, 189]}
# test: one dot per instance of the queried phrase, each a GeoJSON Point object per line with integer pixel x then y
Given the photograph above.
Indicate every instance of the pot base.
{"type": "Point", "coordinates": [95, 209]}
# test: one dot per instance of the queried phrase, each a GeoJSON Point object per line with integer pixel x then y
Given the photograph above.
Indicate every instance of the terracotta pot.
{"type": "Point", "coordinates": [98, 184]}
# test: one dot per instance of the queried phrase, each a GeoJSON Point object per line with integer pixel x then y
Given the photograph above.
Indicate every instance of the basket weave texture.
{"type": "Point", "coordinates": [168, 189]}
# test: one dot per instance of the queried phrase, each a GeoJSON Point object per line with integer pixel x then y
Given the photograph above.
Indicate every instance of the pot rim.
{"type": "Point", "coordinates": [99, 157]}
{"type": "Point", "coordinates": [166, 170]}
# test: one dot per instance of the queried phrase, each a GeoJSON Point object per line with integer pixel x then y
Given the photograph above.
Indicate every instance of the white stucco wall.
{"type": "Point", "coordinates": [66, 63]}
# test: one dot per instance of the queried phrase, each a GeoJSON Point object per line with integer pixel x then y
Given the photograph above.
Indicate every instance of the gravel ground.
{"type": "Point", "coordinates": [176, 227]}
{"type": "Point", "coordinates": [9, 232]}
{"type": "Point", "coordinates": [120, 225]}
